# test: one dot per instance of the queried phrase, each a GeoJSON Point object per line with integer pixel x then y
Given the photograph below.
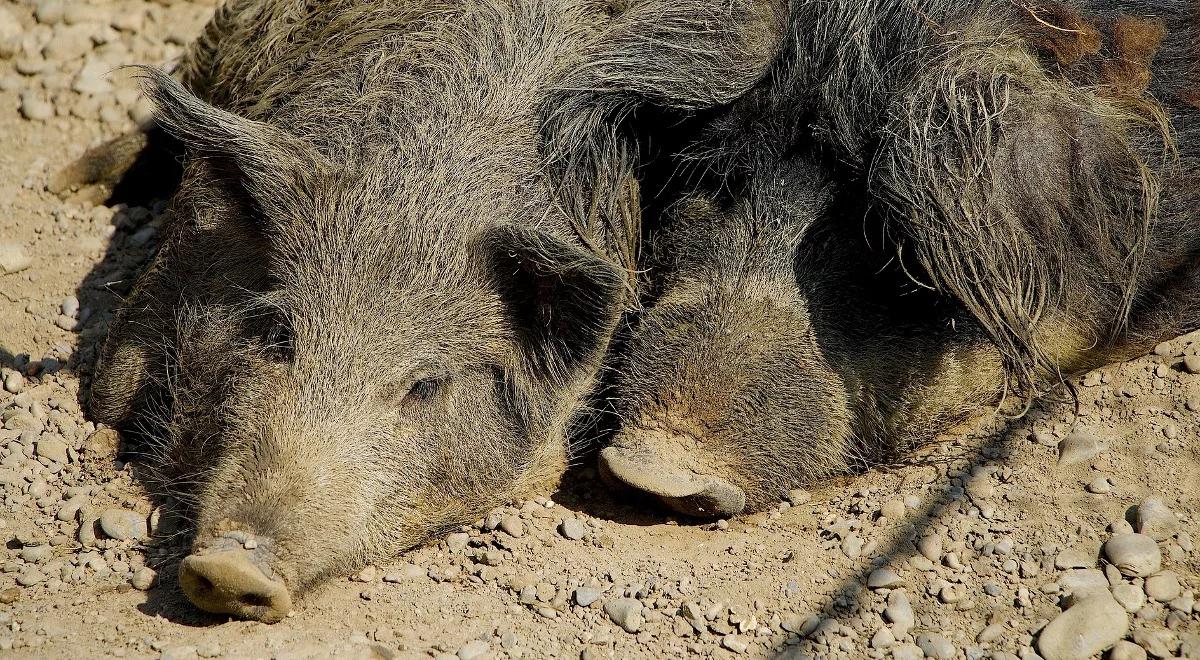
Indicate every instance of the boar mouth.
{"type": "Point", "coordinates": [678, 487]}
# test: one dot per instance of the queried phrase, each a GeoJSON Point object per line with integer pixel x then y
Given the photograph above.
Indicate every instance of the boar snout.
{"type": "Point", "coordinates": [689, 489]}
{"type": "Point", "coordinates": [231, 579]}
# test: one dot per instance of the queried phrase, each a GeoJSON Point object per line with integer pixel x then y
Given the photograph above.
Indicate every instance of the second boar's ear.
{"type": "Point", "coordinates": [562, 301]}
{"type": "Point", "coordinates": [685, 53]}
{"type": "Point", "coordinates": [273, 167]}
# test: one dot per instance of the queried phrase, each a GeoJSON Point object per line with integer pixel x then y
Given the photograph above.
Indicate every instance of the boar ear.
{"type": "Point", "coordinates": [562, 300]}
{"type": "Point", "coordinates": [274, 168]}
{"type": "Point", "coordinates": [686, 53]}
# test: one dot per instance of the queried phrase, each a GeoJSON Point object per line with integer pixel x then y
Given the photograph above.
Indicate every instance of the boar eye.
{"type": "Point", "coordinates": [423, 390]}
{"type": "Point", "coordinates": [278, 340]}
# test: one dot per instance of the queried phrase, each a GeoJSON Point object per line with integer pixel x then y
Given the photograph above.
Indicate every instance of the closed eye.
{"type": "Point", "coordinates": [423, 390]}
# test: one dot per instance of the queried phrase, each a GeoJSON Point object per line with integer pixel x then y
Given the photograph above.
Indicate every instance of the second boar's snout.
{"type": "Point", "coordinates": [678, 486]}
{"type": "Point", "coordinates": [234, 581]}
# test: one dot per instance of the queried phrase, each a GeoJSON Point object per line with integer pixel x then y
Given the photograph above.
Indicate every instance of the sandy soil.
{"type": "Point", "coordinates": [984, 534]}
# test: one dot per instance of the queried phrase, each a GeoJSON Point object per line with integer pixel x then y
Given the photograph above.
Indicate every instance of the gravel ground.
{"type": "Point", "coordinates": [1067, 533]}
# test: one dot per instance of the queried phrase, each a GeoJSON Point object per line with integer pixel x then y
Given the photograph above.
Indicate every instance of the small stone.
{"type": "Point", "coordinates": [735, 644]}
{"type": "Point", "coordinates": [1163, 587]}
{"type": "Point", "coordinates": [935, 646]}
{"type": "Point", "coordinates": [892, 509]}
{"type": "Point", "coordinates": [14, 382]}
{"type": "Point", "coordinates": [1157, 642]}
{"type": "Point", "coordinates": [852, 546]}
{"type": "Point", "coordinates": [52, 448]}
{"type": "Point", "coordinates": [930, 547]}
{"type": "Point", "coordinates": [585, 596]}
{"type": "Point", "coordinates": [626, 613]}
{"type": "Point", "coordinates": [30, 577]}
{"type": "Point", "coordinates": [513, 526]}
{"type": "Point", "coordinates": [123, 525]}
{"type": "Point", "coordinates": [1155, 520]}
{"type": "Point", "coordinates": [1124, 650]}
{"type": "Point", "coordinates": [143, 578]}
{"type": "Point", "coordinates": [990, 634]}
{"type": "Point", "coordinates": [1134, 555]}
{"type": "Point", "coordinates": [475, 649]}
{"type": "Point", "coordinates": [899, 612]}
{"type": "Point", "coordinates": [1078, 447]}
{"type": "Point", "coordinates": [1080, 581]}
{"type": "Point", "coordinates": [179, 653]}
{"type": "Point", "coordinates": [573, 528]}
{"type": "Point", "coordinates": [1099, 486]}
{"type": "Point", "coordinates": [13, 257]}
{"type": "Point", "coordinates": [32, 108]}
{"type": "Point", "coordinates": [367, 574]}
{"type": "Point", "coordinates": [1129, 596]}
{"type": "Point", "coordinates": [884, 578]}
{"type": "Point", "coordinates": [458, 541]}
{"type": "Point", "coordinates": [1088, 627]}
{"type": "Point", "coordinates": [1074, 558]}
{"type": "Point", "coordinates": [907, 652]}
{"type": "Point", "coordinates": [883, 638]}
{"type": "Point", "coordinates": [798, 496]}
{"type": "Point", "coordinates": [1192, 364]}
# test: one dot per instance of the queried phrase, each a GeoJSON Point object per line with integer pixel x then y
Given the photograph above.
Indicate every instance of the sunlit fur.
{"type": "Point", "coordinates": [1014, 203]}
{"type": "Point", "coordinates": [379, 193]}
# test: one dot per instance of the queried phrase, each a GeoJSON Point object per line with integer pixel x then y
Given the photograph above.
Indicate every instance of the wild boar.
{"type": "Point", "coordinates": [925, 206]}
{"type": "Point", "coordinates": [403, 240]}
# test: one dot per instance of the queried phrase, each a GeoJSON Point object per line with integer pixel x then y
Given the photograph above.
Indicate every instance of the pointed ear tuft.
{"type": "Point", "coordinates": [274, 166]}
{"type": "Point", "coordinates": [563, 302]}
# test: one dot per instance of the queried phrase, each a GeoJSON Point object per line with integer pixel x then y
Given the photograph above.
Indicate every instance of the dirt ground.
{"type": "Point", "coordinates": [988, 544]}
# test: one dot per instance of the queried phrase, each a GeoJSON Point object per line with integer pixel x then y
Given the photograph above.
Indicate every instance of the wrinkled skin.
{"type": "Point", "coordinates": [404, 237]}
{"type": "Point", "coordinates": [1003, 215]}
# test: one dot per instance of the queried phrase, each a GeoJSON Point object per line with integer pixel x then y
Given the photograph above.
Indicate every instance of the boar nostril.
{"type": "Point", "coordinates": [230, 582]}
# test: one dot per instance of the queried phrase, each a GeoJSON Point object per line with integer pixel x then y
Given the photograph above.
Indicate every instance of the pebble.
{"type": "Point", "coordinates": [735, 644]}
{"type": "Point", "coordinates": [1089, 626]}
{"type": "Point", "coordinates": [991, 633]}
{"type": "Point", "coordinates": [123, 525]}
{"type": "Point", "coordinates": [573, 528]}
{"type": "Point", "coordinates": [143, 578]}
{"type": "Point", "coordinates": [893, 509]}
{"type": "Point", "coordinates": [1079, 581]}
{"type": "Point", "coordinates": [1135, 555]}
{"type": "Point", "coordinates": [798, 496]}
{"type": "Point", "coordinates": [1074, 558]}
{"type": "Point", "coordinates": [1100, 486]}
{"type": "Point", "coordinates": [935, 646]}
{"type": "Point", "coordinates": [1129, 596]}
{"type": "Point", "coordinates": [33, 108]}
{"type": "Point", "coordinates": [179, 653]}
{"type": "Point", "coordinates": [52, 448]}
{"type": "Point", "coordinates": [30, 577]}
{"type": "Point", "coordinates": [513, 526]}
{"type": "Point", "coordinates": [475, 649]}
{"type": "Point", "coordinates": [14, 382]}
{"type": "Point", "coordinates": [367, 574]}
{"type": "Point", "coordinates": [852, 546]}
{"type": "Point", "coordinates": [1078, 447]}
{"type": "Point", "coordinates": [884, 578]}
{"type": "Point", "coordinates": [883, 638]}
{"type": "Point", "coordinates": [585, 596]}
{"type": "Point", "coordinates": [930, 547]}
{"type": "Point", "coordinates": [625, 612]}
{"type": "Point", "coordinates": [1155, 519]}
{"type": "Point", "coordinates": [907, 652]}
{"type": "Point", "coordinates": [1163, 587]}
{"type": "Point", "coordinates": [1124, 650]}
{"type": "Point", "coordinates": [13, 257]}
{"type": "Point", "coordinates": [1157, 642]}
{"type": "Point", "coordinates": [1192, 364]}
{"type": "Point", "coordinates": [458, 541]}
{"type": "Point", "coordinates": [899, 612]}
